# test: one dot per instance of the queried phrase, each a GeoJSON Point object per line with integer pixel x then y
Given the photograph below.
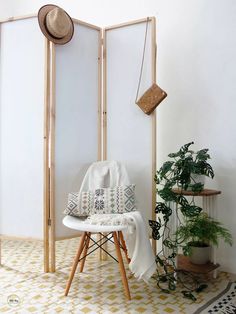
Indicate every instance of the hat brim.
{"type": "Point", "coordinates": [43, 11]}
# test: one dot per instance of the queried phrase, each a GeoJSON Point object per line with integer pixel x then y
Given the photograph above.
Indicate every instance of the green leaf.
{"type": "Point", "coordinates": [187, 250]}
{"type": "Point", "coordinates": [163, 278]}
{"type": "Point", "coordinates": [188, 295]}
{"type": "Point", "coordinates": [167, 194]}
{"type": "Point", "coordinates": [174, 155]}
{"type": "Point", "coordinates": [173, 255]}
{"type": "Point", "coordinates": [208, 171]}
{"type": "Point", "coordinates": [191, 210]}
{"type": "Point", "coordinates": [171, 285]}
{"type": "Point", "coordinates": [163, 209]}
{"type": "Point", "coordinates": [156, 226]}
{"type": "Point", "coordinates": [181, 200]}
{"type": "Point", "coordinates": [203, 154]}
{"type": "Point", "coordinates": [166, 167]}
{"type": "Point", "coordinates": [170, 184]}
{"type": "Point", "coordinates": [197, 187]}
{"type": "Point", "coordinates": [159, 261]}
{"type": "Point", "coordinates": [169, 244]}
{"type": "Point", "coordinates": [202, 229]}
{"type": "Point", "coordinates": [201, 288]}
{"type": "Point", "coordinates": [156, 179]}
{"type": "Point", "coordinates": [184, 148]}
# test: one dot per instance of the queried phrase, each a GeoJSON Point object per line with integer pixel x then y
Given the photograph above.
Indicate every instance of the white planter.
{"type": "Point", "coordinates": [200, 255]}
{"type": "Point", "coordinates": [198, 178]}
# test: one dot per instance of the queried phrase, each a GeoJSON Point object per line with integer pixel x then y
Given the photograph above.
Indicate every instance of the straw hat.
{"type": "Point", "coordinates": [55, 24]}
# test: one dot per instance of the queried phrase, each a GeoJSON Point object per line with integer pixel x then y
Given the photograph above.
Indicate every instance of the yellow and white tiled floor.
{"type": "Point", "coordinates": [97, 290]}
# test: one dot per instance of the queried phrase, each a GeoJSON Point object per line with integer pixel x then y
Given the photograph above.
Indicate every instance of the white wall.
{"type": "Point", "coordinates": [197, 67]}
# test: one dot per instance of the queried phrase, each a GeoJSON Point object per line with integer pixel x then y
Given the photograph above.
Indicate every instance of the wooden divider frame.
{"type": "Point", "coordinates": [49, 140]}
{"type": "Point", "coordinates": [51, 239]}
{"type": "Point", "coordinates": [46, 188]}
{"type": "Point", "coordinates": [49, 128]}
{"type": "Point", "coordinates": [153, 115]}
{"type": "Point", "coordinates": [46, 221]}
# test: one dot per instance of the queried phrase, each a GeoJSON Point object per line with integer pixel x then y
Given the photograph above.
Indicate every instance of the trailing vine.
{"type": "Point", "coordinates": [178, 172]}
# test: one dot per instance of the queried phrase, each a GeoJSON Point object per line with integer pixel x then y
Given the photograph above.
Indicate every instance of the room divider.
{"type": "Point", "coordinates": [64, 107]}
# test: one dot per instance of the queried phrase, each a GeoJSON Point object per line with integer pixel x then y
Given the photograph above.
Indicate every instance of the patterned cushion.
{"type": "Point", "coordinates": [79, 207]}
{"type": "Point", "coordinates": [119, 199]}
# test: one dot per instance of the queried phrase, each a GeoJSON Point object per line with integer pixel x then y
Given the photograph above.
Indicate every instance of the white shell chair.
{"type": "Point", "coordinates": [99, 175]}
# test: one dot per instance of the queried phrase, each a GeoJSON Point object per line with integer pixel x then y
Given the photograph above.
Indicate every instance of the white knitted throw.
{"type": "Point", "coordinates": [142, 263]}
{"type": "Point", "coordinates": [109, 219]}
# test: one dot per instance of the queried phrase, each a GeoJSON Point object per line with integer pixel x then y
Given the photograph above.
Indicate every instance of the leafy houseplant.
{"type": "Point", "coordinates": [200, 232]}
{"type": "Point", "coordinates": [177, 172]}
{"type": "Point", "coordinates": [183, 167]}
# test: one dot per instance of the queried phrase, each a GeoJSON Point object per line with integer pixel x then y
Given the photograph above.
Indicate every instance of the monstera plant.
{"type": "Point", "coordinates": [177, 173]}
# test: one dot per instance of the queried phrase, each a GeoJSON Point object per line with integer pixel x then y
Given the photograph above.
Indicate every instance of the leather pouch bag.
{"type": "Point", "coordinates": [151, 99]}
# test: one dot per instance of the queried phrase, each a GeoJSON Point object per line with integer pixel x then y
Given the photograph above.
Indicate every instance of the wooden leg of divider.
{"type": "Point", "coordinates": [121, 265]}
{"type": "Point", "coordinates": [76, 261]}
{"type": "Point", "coordinates": [99, 236]}
{"type": "Point", "coordinates": [124, 246]}
{"type": "Point", "coordinates": [85, 251]}
{"type": "Point", "coordinates": [105, 246]}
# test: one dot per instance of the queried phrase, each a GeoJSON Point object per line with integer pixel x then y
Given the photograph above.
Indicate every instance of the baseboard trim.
{"type": "Point", "coordinates": [7, 237]}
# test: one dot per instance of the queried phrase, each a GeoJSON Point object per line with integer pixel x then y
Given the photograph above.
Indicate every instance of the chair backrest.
{"type": "Point", "coordinates": [103, 174]}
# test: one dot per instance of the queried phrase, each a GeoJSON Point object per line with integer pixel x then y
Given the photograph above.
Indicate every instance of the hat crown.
{"type": "Point", "coordinates": [58, 23]}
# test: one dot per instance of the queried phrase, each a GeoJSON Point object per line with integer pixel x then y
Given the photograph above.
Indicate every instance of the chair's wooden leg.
{"type": "Point", "coordinates": [121, 265]}
{"type": "Point", "coordinates": [76, 261]}
{"type": "Point", "coordinates": [85, 251]}
{"type": "Point", "coordinates": [124, 246]}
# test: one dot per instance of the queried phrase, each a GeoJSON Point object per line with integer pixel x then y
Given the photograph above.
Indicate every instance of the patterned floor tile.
{"type": "Point", "coordinates": [98, 290]}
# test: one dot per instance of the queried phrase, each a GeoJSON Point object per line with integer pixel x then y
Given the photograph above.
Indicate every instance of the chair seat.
{"type": "Point", "coordinates": [81, 225]}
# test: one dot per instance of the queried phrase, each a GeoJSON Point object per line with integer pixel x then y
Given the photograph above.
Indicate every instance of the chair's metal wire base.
{"type": "Point", "coordinates": [104, 238]}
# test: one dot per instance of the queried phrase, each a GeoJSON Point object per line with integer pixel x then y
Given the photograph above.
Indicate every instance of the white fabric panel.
{"type": "Point", "coordinates": [76, 115]}
{"type": "Point", "coordinates": [21, 129]}
{"type": "Point", "coordinates": [129, 132]}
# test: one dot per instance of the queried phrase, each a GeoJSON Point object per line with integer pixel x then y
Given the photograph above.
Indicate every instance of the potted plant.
{"type": "Point", "coordinates": [199, 233]}
{"type": "Point", "coordinates": [189, 167]}
{"type": "Point", "coordinates": [177, 172]}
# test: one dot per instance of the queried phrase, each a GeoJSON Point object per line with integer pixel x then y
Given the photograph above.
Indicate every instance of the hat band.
{"type": "Point", "coordinates": [52, 35]}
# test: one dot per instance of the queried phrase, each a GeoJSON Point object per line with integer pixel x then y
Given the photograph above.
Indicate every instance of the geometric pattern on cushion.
{"type": "Point", "coordinates": [119, 199]}
{"type": "Point", "coordinates": [79, 208]}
